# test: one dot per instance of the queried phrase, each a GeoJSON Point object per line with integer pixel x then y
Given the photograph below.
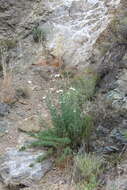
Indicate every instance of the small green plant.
{"type": "Point", "coordinates": [39, 35]}
{"type": "Point", "coordinates": [89, 167]}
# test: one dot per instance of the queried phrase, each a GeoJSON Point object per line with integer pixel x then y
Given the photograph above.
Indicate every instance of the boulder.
{"type": "Point", "coordinates": [20, 168]}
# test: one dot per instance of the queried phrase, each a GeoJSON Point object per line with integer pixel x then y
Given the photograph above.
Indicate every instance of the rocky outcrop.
{"type": "Point", "coordinates": [71, 27]}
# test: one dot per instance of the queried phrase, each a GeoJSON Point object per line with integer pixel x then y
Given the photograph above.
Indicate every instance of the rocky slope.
{"type": "Point", "coordinates": [76, 32]}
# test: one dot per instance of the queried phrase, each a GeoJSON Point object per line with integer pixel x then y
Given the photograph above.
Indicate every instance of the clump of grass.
{"type": "Point", "coordinates": [7, 92]}
{"type": "Point", "coordinates": [89, 164]}
{"type": "Point", "coordinates": [88, 168]}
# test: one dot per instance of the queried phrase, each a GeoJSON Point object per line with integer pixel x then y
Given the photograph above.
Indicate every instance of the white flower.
{"type": "Point", "coordinates": [44, 97]}
{"type": "Point", "coordinates": [57, 75]}
{"type": "Point", "coordinates": [29, 81]}
{"type": "Point", "coordinates": [71, 88]}
{"type": "Point", "coordinates": [52, 89]}
{"type": "Point", "coordinates": [59, 91]}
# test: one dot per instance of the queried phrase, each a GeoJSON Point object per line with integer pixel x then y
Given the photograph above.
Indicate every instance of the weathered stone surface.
{"type": "Point", "coordinates": [30, 124]}
{"type": "Point", "coordinates": [21, 168]}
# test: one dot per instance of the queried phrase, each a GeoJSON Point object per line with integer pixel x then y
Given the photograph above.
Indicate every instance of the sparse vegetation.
{"type": "Point", "coordinates": [88, 168]}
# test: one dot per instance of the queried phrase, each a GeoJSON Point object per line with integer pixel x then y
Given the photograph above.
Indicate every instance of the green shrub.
{"type": "Point", "coordinates": [70, 125]}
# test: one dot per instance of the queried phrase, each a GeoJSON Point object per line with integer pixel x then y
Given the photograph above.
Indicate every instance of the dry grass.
{"type": "Point", "coordinates": [7, 92]}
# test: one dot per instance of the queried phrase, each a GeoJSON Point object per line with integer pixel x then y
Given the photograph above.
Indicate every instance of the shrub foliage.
{"type": "Point", "coordinates": [70, 125]}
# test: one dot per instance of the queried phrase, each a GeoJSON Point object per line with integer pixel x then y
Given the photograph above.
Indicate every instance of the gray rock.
{"type": "Point", "coordinates": [101, 130]}
{"type": "Point", "coordinates": [118, 96]}
{"type": "Point", "coordinates": [110, 149]}
{"type": "Point", "coordinates": [118, 136]}
{"type": "Point", "coordinates": [4, 109]}
{"type": "Point", "coordinates": [3, 128]}
{"type": "Point", "coordinates": [22, 168]}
